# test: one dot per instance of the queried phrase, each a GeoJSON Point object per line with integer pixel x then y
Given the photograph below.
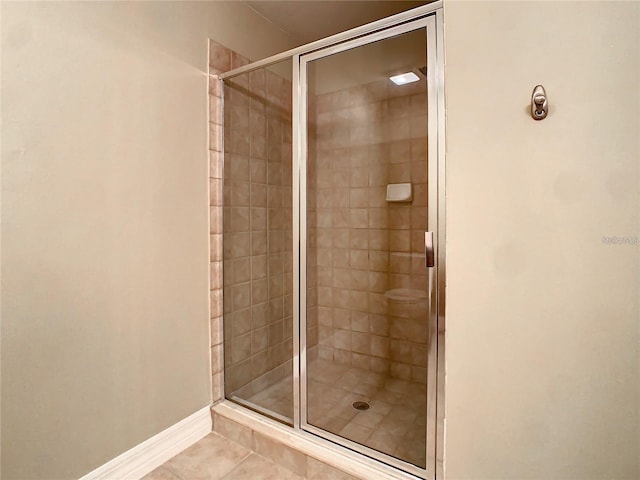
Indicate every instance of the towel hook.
{"type": "Point", "coordinates": [539, 103]}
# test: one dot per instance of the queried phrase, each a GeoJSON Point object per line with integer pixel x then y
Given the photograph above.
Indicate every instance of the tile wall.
{"type": "Point", "coordinates": [254, 198]}
{"type": "Point", "coordinates": [360, 246]}
{"type": "Point", "coordinates": [220, 60]}
{"type": "Point", "coordinates": [365, 138]}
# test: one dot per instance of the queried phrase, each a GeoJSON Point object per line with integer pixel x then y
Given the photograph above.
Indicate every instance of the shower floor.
{"type": "Point", "coordinates": [394, 424]}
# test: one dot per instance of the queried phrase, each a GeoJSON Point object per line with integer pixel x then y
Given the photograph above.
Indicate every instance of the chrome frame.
{"type": "Point", "coordinates": [261, 410]}
{"type": "Point", "coordinates": [300, 149]}
{"type": "Point", "coordinates": [441, 264]}
{"type": "Point", "coordinates": [389, 460]}
{"type": "Point", "coordinates": [299, 238]}
{"type": "Point", "coordinates": [433, 224]}
{"type": "Point", "coordinates": [427, 23]}
{"type": "Point", "coordinates": [223, 387]}
{"type": "Point", "coordinates": [430, 18]}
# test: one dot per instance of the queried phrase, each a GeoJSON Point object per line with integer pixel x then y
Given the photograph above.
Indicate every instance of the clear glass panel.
{"type": "Point", "coordinates": [367, 305]}
{"type": "Point", "coordinates": [258, 266]}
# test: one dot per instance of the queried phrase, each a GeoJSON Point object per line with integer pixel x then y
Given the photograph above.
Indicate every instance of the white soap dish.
{"type": "Point", "coordinates": [399, 192]}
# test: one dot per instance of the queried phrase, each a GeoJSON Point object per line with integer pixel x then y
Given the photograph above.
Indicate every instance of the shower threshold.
{"type": "Point", "coordinates": [261, 410]}
{"type": "Point", "coordinates": [278, 442]}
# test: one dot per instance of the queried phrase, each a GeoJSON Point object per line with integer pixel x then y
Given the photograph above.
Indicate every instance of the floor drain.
{"type": "Point", "coordinates": [361, 405]}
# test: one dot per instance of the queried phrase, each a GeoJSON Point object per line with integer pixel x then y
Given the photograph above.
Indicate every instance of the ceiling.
{"type": "Point", "coordinates": [309, 20]}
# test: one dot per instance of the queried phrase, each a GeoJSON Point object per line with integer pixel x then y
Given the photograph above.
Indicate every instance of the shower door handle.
{"type": "Point", "coordinates": [429, 255]}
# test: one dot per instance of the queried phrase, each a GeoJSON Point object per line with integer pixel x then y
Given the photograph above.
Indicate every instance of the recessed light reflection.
{"type": "Point", "coordinates": [404, 78]}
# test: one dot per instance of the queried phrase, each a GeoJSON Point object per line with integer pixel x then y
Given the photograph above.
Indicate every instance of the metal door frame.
{"type": "Point", "coordinates": [300, 122]}
{"type": "Point", "coordinates": [429, 17]}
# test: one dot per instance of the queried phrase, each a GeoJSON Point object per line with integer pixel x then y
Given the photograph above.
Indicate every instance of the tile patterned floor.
{"type": "Point", "coordinates": [217, 458]}
{"type": "Point", "coordinates": [395, 424]}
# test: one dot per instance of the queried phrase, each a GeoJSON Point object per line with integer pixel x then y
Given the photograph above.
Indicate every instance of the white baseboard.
{"type": "Point", "coordinates": [153, 452]}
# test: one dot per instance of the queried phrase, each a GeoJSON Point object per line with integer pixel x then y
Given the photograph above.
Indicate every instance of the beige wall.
{"type": "Point", "coordinates": [104, 223]}
{"type": "Point", "coordinates": [542, 323]}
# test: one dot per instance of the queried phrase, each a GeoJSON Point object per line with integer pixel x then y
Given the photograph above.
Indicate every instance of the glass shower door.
{"type": "Point", "coordinates": [258, 250]}
{"type": "Point", "coordinates": [369, 194]}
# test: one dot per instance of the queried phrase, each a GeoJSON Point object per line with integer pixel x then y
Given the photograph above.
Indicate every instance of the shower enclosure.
{"type": "Point", "coordinates": [333, 214]}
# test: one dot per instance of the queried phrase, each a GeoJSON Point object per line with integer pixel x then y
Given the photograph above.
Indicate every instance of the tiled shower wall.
{"type": "Point", "coordinates": [360, 246]}
{"type": "Point", "coordinates": [256, 206]}
{"type": "Point", "coordinates": [219, 61]}
{"type": "Point", "coordinates": [365, 138]}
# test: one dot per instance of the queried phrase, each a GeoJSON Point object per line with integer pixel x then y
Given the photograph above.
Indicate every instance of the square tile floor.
{"type": "Point", "coordinates": [217, 458]}
{"type": "Point", "coordinates": [394, 424]}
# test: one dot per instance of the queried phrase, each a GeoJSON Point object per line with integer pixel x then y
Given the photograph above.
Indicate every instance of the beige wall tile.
{"type": "Point", "coordinates": [216, 358]}
{"type": "Point", "coordinates": [342, 339]}
{"type": "Point", "coordinates": [279, 453]}
{"type": "Point", "coordinates": [216, 302]}
{"type": "Point", "coordinates": [380, 346]}
{"type": "Point", "coordinates": [359, 299]}
{"type": "Point", "coordinates": [400, 351]}
{"type": "Point", "coordinates": [215, 137]}
{"type": "Point", "coordinates": [359, 218]}
{"type": "Point", "coordinates": [219, 57]}
{"type": "Point", "coordinates": [232, 430]}
{"type": "Point", "coordinates": [317, 470]}
{"type": "Point", "coordinates": [360, 342]}
{"type": "Point", "coordinates": [359, 321]}
{"type": "Point", "coordinates": [259, 339]}
{"type": "Point", "coordinates": [216, 331]}
{"type": "Point", "coordinates": [378, 282]}
{"type": "Point", "coordinates": [215, 164]}
{"type": "Point", "coordinates": [241, 348]}
{"type": "Point", "coordinates": [342, 356]}
{"type": "Point", "coordinates": [216, 275]}
{"type": "Point", "coordinates": [240, 321]}
{"type": "Point", "coordinates": [361, 361]}
{"type": "Point", "coordinates": [379, 324]}
{"type": "Point", "coordinates": [400, 370]}
{"type": "Point", "coordinates": [380, 365]}
{"type": "Point", "coordinates": [215, 192]}
{"type": "Point", "coordinates": [399, 241]}
{"type": "Point", "coordinates": [418, 374]}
